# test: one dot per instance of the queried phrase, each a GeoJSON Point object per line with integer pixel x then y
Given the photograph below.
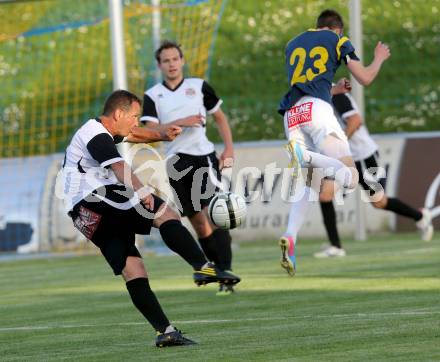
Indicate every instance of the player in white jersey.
{"type": "Point", "coordinates": [109, 205]}
{"type": "Point", "coordinates": [185, 102]}
{"type": "Point", "coordinates": [365, 154]}
{"type": "Point", "coordinates": [315, 139]}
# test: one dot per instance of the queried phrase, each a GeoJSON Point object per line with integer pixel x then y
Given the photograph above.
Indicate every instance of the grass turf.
{"type": "Point", "coordinates": [378, 303]}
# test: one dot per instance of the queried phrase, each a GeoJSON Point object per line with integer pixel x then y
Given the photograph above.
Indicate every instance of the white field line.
{"type": "Point", "coordinates": [419, 251]}
{"type": "Point", "coordinates": [235, 320]}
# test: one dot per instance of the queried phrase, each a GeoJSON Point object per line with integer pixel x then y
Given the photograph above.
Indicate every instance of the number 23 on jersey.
{"type": "Point", "coordinates": [318, 55]}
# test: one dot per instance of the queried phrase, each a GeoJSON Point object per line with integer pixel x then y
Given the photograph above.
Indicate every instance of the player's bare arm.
{"type": "Point", "coordinates": [195, 120]}
{"type": "Point", "coordinates": [227, 156]}
{"type": "Point", "coordinates": [171, 132]}
{"type": "Point", "coordinates": [353, 123]}
{"type": "Point", "coordinates": [125, 175]}
{"type": "Point", "coordinates": [365, 75]}
{"type": "Point", "coordinates": [153, 134]}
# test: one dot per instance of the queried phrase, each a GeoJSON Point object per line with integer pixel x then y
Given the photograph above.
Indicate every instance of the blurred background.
{"type": "Point", "coordinates": [56, 71]}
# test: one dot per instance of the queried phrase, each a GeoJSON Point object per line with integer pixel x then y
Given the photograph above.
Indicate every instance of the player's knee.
{"type": "Point", "coordinates": [165, 213]}
{"type": "Point", "coordinates": [354, 179]}
{"type": "Point", "coordinates": [134, 268]}
{"type": "Point", "coordinates": [201, 225]}
{"type": "Point", "coordinates": [380, 204]}
{"type": "Point", "coordinates": [204, 231]}
{"type": "Point", "coordinates": [170, 214]}
{"type": "Point", "coordinates": [327, 191]}
{"type": "Point", "coordinates": [325, 196]}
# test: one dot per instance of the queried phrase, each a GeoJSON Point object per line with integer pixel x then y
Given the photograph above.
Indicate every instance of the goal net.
{"type": "Point", "coordinates": [56, 72]}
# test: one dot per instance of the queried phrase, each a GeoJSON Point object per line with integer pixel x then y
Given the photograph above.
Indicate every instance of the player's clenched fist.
{"type": "Point", "coordinates": [146, 197]}
{"type": "Point", "coordinates": [342, 86]}
{"type": "Point", "coordinates": [171, 132]}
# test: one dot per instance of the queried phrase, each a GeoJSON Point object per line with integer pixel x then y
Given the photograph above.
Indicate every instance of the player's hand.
{"type": "Point", "coordinates": [133, 131]}
{"type": "Point", "coordinates": [148, 202]}
{"type": "Point", "coordinates": [226, 160]}
{"type": "Point", "coordinates": [146, 197]}
{"type": "Point", "coordinates": [382, 51]}
{"type": "Point", "coordinates": [196, 120]}
{"type": "Point", "coordinates": [342, 86]}
{"type": "Point", "coordinates": [171, 132]}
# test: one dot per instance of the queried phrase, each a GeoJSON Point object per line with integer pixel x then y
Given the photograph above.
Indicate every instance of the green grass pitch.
{"type": "Point", "coordinates": [381, 302]}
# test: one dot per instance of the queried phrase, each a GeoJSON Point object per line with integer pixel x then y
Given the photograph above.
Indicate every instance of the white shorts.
{"type": "Point", "coordinates": [310, 121]}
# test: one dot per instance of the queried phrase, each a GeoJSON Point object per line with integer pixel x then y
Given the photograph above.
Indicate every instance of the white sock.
{"type": "Point", "coordinates": [298, 213]}
{"type": "Point", "coordinates": [170, 329]}
{"type": "Point", "coordinates": [341, 173]}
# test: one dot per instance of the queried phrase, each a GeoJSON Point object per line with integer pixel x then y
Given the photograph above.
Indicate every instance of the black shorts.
{"type": "Point", "coordinates": [194, 190]}
{"type": "Point", "coordinates": [368, 177]}
{"type": "Point", "coordinates": [112, 228]}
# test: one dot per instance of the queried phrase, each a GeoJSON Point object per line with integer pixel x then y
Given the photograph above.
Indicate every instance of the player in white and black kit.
{"type": "Point", "coordinates": [365, 154]}
{"type": "Point", "coordinates": [185, 102]}
{"type": "Point", "coordinates": [109, 205]}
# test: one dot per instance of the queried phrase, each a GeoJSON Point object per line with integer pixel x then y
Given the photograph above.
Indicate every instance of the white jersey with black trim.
{"type": "Point", "coordinates": [86, 162]}
{"type": "Point", "coordinates": [361, 144]}
{"type": "Point", "coordinates": [192, 96]}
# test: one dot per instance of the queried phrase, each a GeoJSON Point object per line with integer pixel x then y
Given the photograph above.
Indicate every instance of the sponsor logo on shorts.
{"type": "Point", "coordinates": [298, 115]}
{"type": "Point", "coordinates": [87, 222]}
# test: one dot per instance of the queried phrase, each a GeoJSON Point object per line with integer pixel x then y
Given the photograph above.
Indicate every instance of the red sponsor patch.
{"type": "Point", "coordinates": [298, 115]}
{"type": "Point", "coordinates": [87, 222]}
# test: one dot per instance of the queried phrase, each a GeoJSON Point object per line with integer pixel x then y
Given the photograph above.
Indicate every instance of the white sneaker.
{"type": "Point", "coordinates": [329, 252]}
{"type": "Point", "coordinates": [425, 225]}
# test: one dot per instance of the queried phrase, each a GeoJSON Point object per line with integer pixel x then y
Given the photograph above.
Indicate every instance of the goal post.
{"type": "Point", "coordinates": [58, 64]}
{"type": "Point", "coordinates": [355, 11]}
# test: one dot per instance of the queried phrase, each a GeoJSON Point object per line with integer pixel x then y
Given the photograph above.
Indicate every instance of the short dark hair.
{"type": "Point", "coordinates": [330, 19]}
{"type": "Point", "coordinates": [120, 99]}
{"type": "Point", "coordinates": [167, 44]}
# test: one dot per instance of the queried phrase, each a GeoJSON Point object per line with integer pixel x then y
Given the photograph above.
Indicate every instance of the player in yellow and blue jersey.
{"type": "Point", "coordinates": [316, 140]}
{"type": "Point", "coordinates": [312, 59]}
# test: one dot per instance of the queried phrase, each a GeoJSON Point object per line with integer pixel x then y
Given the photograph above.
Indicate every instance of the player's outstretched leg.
{"type": "Point", "coordinates": [180, 240]}
{"type": "Point", "coordinates": [216, 245]}
{"type": "Point", "coordinates": [146, 302]}
{"type": "Point", "coordinates": [300, 157]}
{"type": "Point", "coordinates": [422, 217]}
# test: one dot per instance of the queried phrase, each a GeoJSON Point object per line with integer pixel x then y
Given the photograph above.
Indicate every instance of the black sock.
{"type": "Point", "coordinates": [179, 240]}
{"type": "Point", "coordinates": [329, 215]}
{"type": "Point", "coordinates": [146, 302]}
{"type": "Point", "coordinates": [223, 248]}
{"type": "Point", "coordinates": [400, 208]}
{"type": "Point", "coordinates": [208, 247]}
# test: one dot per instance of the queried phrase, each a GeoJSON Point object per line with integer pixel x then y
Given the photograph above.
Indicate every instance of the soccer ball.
{"type": "Point", "coordinates": [227, 210]}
